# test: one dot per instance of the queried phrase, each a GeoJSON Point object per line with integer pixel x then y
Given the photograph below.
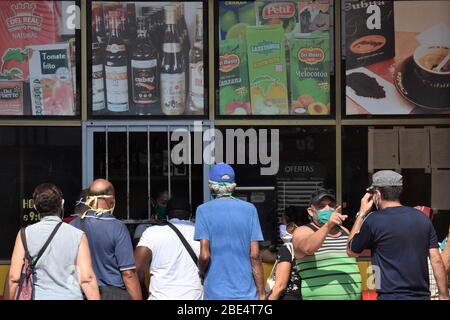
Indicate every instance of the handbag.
{"type": "Point", "coordinates": [270, 282]}
{"type": "Point", "coordinates": [25, 290]}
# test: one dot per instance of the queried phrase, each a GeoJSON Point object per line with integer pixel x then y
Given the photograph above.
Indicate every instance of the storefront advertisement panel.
{"type": "Point", "coordinates": [275, 58]}
{"type": "Point", "coordinates": [147, 59]}
{"type": "Point", "coordinates": [397, 57]}
{"type": "Point", "coordinates": [38, 74]}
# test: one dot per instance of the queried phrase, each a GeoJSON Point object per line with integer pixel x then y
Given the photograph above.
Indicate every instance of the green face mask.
{"type": "Point", "coordinates": [160, 211]}
{"type": "Point", "coordinates": [324, 215]}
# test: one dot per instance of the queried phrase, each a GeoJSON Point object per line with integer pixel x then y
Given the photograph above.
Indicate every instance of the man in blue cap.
{"type": "Point", "coordinates": [400, 238]}
{"type": "Point", "coordinates": [228, 230]}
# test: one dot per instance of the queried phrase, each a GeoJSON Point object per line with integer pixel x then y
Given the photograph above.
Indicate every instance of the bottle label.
{"type": "Point", "coordinates": [144, 81]}
{"type": "Point", "coordinates": [172, 47]}
{"type": "Point", "coordinates": [98, 89]}
{"type": "Point", "coordinates": [196, 84]}
{"type": "Point", "coordinates": [117, 88]}
{"type": "Point", "coordinates": [173, 93]}
{"type": "Point", "coordinates": [114, 48]}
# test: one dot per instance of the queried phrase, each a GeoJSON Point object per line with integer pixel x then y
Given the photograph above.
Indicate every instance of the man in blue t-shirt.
{"type": "Point", "coordinates": [400, 239]}
{"type": "Point", "coordinates": [110, 245]}
{"type": "Point", "coordinates": [228, 230]}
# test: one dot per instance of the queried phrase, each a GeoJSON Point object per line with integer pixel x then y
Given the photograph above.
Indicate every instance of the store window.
{"type": "Point", "coordinates": [147, 59]}
{"type": "Point", "coordinates": [306, 161]}
{"type": "Point", "coordinates": [420, 154]}
{"type": "Point", "coordinates": [276, 58]}
{"type": "Point", "coordinates": [127, 165]}
{"type": "Point", "coordinates": [30, 156]}
{"type": "Point", "coordinates": [39, 52]}
{"type": "Point", "coordinates": [396, 58]}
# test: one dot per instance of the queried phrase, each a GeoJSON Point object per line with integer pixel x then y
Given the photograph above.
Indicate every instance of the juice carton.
{"type": "Point", "coordinates": [24, 23]}
{"type": "Point", "coordinates": [11, 98]}
{"type": "Point", "coordinates": [310, 74]}
{"type": "Point", "coordinates": [284, 13]}
{"type": "Point", "coordinates": [51, 80]}
{"type": "Point", "coordinates": [233, 78]}
{"type": "Point", "coordinates": [267, 70]}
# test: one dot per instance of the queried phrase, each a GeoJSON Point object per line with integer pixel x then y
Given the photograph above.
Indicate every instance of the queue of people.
{"type": "Point", "coordinates": [219, 257]}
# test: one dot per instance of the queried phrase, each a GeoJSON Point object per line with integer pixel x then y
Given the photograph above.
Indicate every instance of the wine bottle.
{"type": "Point", "coordinates": [116, 70]}
{"type": "Point", "coordinates": [98, 88]}
{"type": "Point", "coordinates": [173, 90]}
{"type": "Point", "coordinates": [196, 87]}
{"type": "Point", "coordinates": [144, 70]}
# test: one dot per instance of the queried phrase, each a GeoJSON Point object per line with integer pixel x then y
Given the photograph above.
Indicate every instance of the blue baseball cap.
{"type": "Point", "coordinates": [221, 172]}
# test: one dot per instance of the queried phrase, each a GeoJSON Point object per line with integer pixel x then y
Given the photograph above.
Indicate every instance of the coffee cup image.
{"type": "Point", "coordinates": [424, 78]}
{"type": "Point", "coordinates": [433, 66]}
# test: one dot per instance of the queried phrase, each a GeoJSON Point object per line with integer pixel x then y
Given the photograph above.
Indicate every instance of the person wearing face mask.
{"type": "Point", "coordinates": [325, 269]}
{"type": "Point", "coordinates": [287, 281]}
{"type": "Point", "coordinates": [160, 205]}
{"type": "Point", "coordinates": [110, 244]}
{"type": "Point", "coordinates": [63, 269]}
{"type": "Point", "coordinates": [292, 218]}
{"type": "Point", "coordinates": [400, 238]}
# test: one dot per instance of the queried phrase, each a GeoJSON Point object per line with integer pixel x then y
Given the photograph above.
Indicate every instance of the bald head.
{"type": "Point", "coordinates": [101, 187]}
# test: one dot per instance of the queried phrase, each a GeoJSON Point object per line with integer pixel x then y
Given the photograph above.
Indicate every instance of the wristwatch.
{"type": "Point", "coordinates": [359, 213]}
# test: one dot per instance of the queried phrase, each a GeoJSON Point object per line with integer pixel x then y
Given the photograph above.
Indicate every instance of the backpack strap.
{"type": "Point", "coordinates": [83, 224]}
{"type": "Point", "coordinates": [184, 241]}
{"type": "Point", "coordinates": [41, 252]}
{"type": "Point", "coordinates": [290, 247]}
{"type": "Point", "coordinates": [312, 226]}
{"type": "Point", "coordinates": [23, 237]}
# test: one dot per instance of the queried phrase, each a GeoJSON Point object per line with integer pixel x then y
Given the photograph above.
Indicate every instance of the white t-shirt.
{"type": "Point", "coordinates": [173, 273]}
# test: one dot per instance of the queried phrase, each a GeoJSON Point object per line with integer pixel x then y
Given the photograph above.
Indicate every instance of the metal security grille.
{"type": "Point", "coordinates": [150, 129]}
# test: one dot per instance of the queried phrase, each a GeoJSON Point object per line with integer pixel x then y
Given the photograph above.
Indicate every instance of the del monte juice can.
{"type": "Point", "coordinates": [310, 74]}
{"type": "Point", "coordinates": [234, 96]}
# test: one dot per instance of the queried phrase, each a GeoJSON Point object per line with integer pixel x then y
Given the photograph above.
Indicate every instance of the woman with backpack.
{"type": "Point", "coordinates": [51, 259]}
{"type": "Point", "coordinates": [287, 281]}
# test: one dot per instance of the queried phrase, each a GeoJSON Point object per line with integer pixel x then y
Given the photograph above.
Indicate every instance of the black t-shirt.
{"type": "Point", "coordinates": [293, 287]}
{"type": "Point", "coordinates": [400, 239]}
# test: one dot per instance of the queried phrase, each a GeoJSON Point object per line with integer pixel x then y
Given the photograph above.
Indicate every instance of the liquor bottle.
{"type": "Point", "coordinates": [196, 88]}
{"type": "Point", "coordinates": [131, 23]}
{"type": "Point", "coordinates": [98, 87]}
{"type": "Point", "coordinates": [144, 72]}
{"type": "Point", "coordinates": [173, 92]}
{"type": "Point", "coordinates": [98, 26]}
{"type": "Point", "coordinates": [184, 35]}
{"type": "Point", "coordinates": [116, 70]}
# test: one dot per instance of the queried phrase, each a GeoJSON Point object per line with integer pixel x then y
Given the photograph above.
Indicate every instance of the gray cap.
{"type": "Point", "coordinates": [386, 178]}
{"type": "Point", "coordinates": [318, 195]}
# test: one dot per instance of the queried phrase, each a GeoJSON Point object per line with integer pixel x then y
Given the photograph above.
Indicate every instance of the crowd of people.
{"type": "Point", "coordinates": [91, 254]}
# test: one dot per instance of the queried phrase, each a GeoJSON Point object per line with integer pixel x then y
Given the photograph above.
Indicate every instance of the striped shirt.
{"type": "Point", "coordinates": [330, 274]}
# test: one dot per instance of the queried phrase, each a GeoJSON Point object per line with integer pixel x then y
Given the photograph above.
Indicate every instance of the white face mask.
{"type": "Point", "coordinates": [284, 235]}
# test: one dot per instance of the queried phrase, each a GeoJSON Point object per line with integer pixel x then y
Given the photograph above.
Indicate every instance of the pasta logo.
{"type": "Point", "coordinates": [229, 62]}
{"type": "Point", "coordinates": [311, 55]}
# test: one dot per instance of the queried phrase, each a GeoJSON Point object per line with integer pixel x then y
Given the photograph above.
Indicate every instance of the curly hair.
{"type": "Point", "coordinates": [47, 199]}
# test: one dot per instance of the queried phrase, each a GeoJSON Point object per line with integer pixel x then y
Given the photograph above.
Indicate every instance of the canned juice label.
{"type": "Point", "coordinates": [310, 75]}
{"type": "Point", "coordinates": [234, 96]}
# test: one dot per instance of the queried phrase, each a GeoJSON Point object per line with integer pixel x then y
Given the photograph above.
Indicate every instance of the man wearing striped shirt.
{"type": "Point", "coordinates": [326, 271]}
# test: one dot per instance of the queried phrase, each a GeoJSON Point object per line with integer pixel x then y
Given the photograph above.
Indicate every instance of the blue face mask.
{"type": "Point", "coordinates": [324, 215]}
